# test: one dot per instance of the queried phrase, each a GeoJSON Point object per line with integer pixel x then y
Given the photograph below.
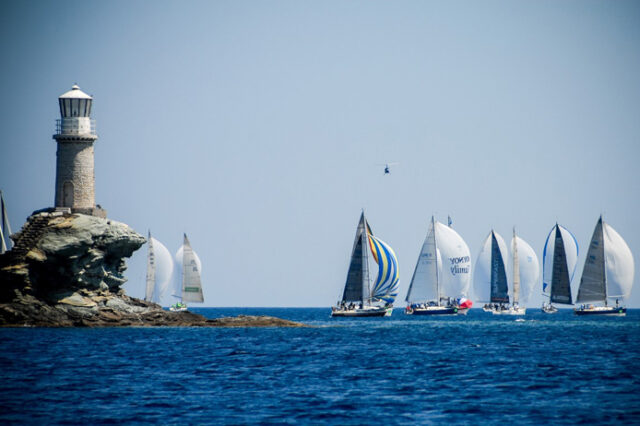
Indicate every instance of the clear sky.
{"type": "Point", "coordinates": [257, 127]}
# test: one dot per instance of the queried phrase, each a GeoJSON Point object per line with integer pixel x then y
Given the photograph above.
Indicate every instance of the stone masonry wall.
{"type": "Point", "coordinates": [75, 165]}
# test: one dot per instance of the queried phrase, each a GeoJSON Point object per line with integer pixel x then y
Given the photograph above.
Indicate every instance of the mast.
{"type": "Point", "coordinates": [151, 271]}
{"type": "Point", "coordinates": [516, 269]}
{"type": "Point", "coordinates": [366, 287]}
{"type": "Point", "coordinates": [433, 225]}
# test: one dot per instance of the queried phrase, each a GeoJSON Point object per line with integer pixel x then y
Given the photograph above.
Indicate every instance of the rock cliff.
{"type": "Point", "coordinates": [66, 270]}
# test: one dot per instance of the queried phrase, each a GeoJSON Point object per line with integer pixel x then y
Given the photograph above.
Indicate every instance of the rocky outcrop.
{"type": "Point", "coordinates": [66, 270]}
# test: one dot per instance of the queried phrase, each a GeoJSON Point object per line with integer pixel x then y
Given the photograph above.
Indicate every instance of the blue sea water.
{"type": "Point", "coordinates": [478, 369]}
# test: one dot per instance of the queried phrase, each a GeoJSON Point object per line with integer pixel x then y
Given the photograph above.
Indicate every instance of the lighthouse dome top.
{"type": "Point", "coordinates": [75, 93]}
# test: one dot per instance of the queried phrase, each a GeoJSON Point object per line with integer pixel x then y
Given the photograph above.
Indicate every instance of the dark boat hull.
{"type": "Point", "coordinates": [432, 310]}
{"type": "Point", "coordinates": [608, 311]}
{"type": "Point", "coordinates": [361, 313]}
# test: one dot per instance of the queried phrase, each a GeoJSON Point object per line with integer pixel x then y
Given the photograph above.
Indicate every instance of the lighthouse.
{"type": "Point", "coordinates": [75, 135]}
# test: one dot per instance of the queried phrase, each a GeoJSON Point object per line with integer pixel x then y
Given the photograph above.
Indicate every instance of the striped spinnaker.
{"type": "Point", "coordinates": [386, 285]}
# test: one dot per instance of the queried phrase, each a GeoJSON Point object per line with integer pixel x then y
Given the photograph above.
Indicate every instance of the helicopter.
{"type": "Point", "coordinates": [387, 167]}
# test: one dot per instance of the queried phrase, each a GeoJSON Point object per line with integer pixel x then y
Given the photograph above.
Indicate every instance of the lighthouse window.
{"type": "Point", "coordinates": [67, 107]}
{"type": "Point", "coordinates": [74, 107]}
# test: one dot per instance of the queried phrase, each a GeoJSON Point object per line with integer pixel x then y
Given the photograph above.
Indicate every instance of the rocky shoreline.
{"type": "Point", "coordinates": [66, 270]}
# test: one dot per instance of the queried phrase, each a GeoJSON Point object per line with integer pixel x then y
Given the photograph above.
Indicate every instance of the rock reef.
{"type": "Point", "coordinates": [66, 270]}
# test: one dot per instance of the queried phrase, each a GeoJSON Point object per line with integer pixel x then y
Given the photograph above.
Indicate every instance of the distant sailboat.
{"type": "Point", "coordinates": [5, 229]}
{"type": "Point", "coordinates": [442, 274]}
{"type": "Point", "coordinates": [159, 270]}
{"type": "Point", "coordinates": [559, 261]}
{"type": "Point", "coordinates": [607, 274]}
{"type": "Point", "coordinates": [359, 299]}
{"type": "Point", "coordinates": [191, 285]}
{"type": "Point", "coordinates": [490, 276]}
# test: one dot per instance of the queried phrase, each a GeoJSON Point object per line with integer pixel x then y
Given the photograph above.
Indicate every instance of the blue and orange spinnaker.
{"type": "Point", "coordinates": [386, 285]}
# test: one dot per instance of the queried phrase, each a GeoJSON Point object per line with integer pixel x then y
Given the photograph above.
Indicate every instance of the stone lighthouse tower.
{"type": "Point", "coordinates": [75, 135]}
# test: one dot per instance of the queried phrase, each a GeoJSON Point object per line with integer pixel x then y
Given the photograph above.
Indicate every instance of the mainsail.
{"type": "Point", "coordinates": [5, 228]}
{"type": "Point", "coordinates": [191, 284]}
{"type": "Point", "coordinates": [528, 267]}
{"type": "Point", "coordinates": [490, 277]}
{"type": "Point", "coordinates": [356, 288]}
{"type": "Point", "coordinates": [424, 283]}
{"type": "Point", "coordinates": [159, 270]}
{"type": "Point", "coordinates": [151, 271]}
{"type": "Point", "coordinates": [560, 257]}
{"type": "Point", "coordinates": [609, 267]}
{"type": "Point", "coordinates": [516, 268]}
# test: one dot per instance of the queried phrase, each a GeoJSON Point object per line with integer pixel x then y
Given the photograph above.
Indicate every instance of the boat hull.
{"type": "Point", "coordinates": [432, 310]}
{"type": "Point", "coordinates": [603, 311]}
{"type": "Point", "coordinates": [549, 309]}
{"type": "Point", "coordinates": [362, 313]}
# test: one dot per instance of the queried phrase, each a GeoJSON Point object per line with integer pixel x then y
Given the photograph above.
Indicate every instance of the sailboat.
{"type": "Point", "coordinates": [559, 260]}
{"type": "Point", "coordinates": [359, 299]}
{"type": "Point", "coordinates": [5, 229]}
{"type": "Point", "coordinates": [442, 273]}
{"type": "Point", "coordinates": [190, 286]}
{"type": "Point", "coordinates": [159, 270]}
{"type": "Point", "coordinates": [607, 274]}
{"type": "Point", "coordinates": [490, 276]}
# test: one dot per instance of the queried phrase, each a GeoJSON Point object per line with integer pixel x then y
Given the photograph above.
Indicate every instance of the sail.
{"type": "Point", "coordinates": [385, 287]}
{"type": "Point", "coordinates": [529, 269]}
{"type": "Point", "coordinates": [619, 264]}
{"type": "Point", "coordinates": [178, 268]}
{"type": "Point", "coordinates": [515, 295]}
{"type": "Point", "coordinates": [424, 283]}
{"type": "Point", "coordinates": [560, 257]}
{"type": "Point", "coordinates": [592, 283]}
{"type": "Point", "coordinates": [191, 285]}
{"type": "Point", "coordinates": [499, 288]}
{"type": "Point", "coordinates": [151, 271]}
{"type": "Point", "coordinates": [159, 271]}
{"type": "Point", "coordinates": [355, 287]}
{"type": "Point", "coordinates": [5, 227]}
{"type": "Point", "coordinates": [455, 267]}
{"type": "Point", "coordinates": [489, 277]}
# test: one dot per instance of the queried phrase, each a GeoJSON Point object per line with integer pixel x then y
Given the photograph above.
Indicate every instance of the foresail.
{"type": "Point", "coordinates": [386, 284]}
{"type": "Point", "coordinates": [191, 284]}
{"type": "Point", "coordinates": [455, 270]}
{"type": "Point", "coordinates": [424, 283]}
{"type": "Point", "coordinates": [619, 264]}
{"type": "Point", "coordinates": [482, 273]}
{"type": "Point", "coordinates": [550, 259]}
{"type": "Point", "coordinates": [529, 269]}
{"type": "Point", "coordinates": [592, 283]}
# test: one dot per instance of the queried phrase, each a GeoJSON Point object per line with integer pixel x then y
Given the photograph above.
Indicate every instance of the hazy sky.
{"type": "Point", "coordinates": [257, 127]}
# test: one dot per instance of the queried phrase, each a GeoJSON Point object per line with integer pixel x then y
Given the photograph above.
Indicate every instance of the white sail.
{"type": "Point", "coordinates": [164, 270]}
{"type": "Point", "coordinates": [5, 227]}
{"type": "Point", "coordinates": [188, 268]}
{"type": "Point", "coordinates": [482, 270]}
{"type": "Point", "coordinates": [571, 253]}
{"type": "Point", "coordinates": [455, 265]}
{"type": "Point", "coordinates": [151, 271]}
{"type": "Point", "coordinates": [529, 269]}
{"type": "Point", "coordinates": [159, 271]}
{"type": "Point", "coordinates": [619, 265]}
{"type": "Point", "coordinates": [424, 283]}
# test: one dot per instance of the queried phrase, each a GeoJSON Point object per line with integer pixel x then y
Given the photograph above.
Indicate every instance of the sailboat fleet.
{"type": "Point", "coordinates": [440, 284]}
{"type": "Point", "coordinates": [160, 267]}
{"type": "Point", "coordinates": [503, 277]}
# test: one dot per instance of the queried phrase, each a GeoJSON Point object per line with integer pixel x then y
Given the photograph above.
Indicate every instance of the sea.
{"type": "Point", "coordinates": [474, 369]}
